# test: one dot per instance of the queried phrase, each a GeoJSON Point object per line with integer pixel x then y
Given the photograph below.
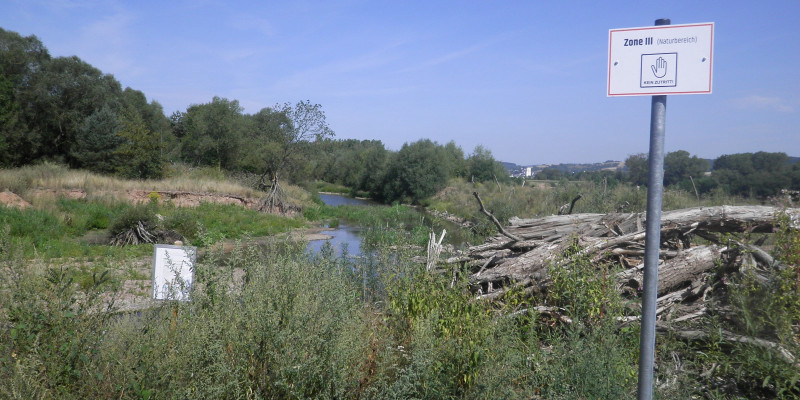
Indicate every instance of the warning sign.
{"type": "Point", "coordinates": [657, 60]}
{"type": "Point", "coordinates": [659, 70]}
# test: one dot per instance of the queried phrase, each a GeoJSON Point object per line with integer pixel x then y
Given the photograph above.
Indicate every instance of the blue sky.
{"type": "Point", "coordinates": [525, 79]}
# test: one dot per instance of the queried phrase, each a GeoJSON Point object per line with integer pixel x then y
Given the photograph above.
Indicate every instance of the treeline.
{"type": "Point", "coordinates": [63, 109]}
{"type": "Point", "coordinates": [412, 174]}
{"type": "Point", "coordinates": [756, 175]}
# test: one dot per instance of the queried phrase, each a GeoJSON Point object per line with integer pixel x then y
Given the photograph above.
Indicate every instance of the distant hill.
{"type": "Point", "coordinates": [522, 170]}
{"type": "Point", "coordinates": [510, 166]}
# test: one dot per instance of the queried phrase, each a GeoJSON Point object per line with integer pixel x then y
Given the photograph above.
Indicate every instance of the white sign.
{"type": "Point", "coordinates": [173, 270]}
{"type": "Point", "coordinates": [659, 60]}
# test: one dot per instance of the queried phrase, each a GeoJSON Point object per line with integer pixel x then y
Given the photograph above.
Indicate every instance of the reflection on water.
{"type": "Point", "coordinates": [350, 236]}
{"type": "Point", "coordinates": [339, 200]}
{"type": "Point", "coordinates": [344, 237]}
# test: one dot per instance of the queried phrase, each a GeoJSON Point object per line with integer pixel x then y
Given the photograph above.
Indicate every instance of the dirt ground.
{"type": "Point", "coordinates": [10, 199]}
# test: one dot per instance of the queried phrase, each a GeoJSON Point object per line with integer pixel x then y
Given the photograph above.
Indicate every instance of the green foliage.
{"type": "Point", "coordinates": [140, 149]}
{"type": "Point", "coordinates": [454, 159]}
{"type": "Point", "coordinates": [144, 214]}
{"type": "Point", "coordinates": [678, 167]}
{"type": "Point", "coordinates": [356, 165]}
{"type": "Point", "coordinates": [56, 232]}
{"type": "Point", "coordinates": [36, 226]}
{"type": "Point", "coordinates": [20, 59]}
{"type": "Point", "coordinates": [268, 322]}
{"type": "Point", "coordinates": [415, 173]}
{"type": "Point", "coordinates": [97, 142]}
{"type": "Point", "coordinates": [81, 216]}
{"type": "Point", "coordinates": [757, 175]}
{"type": "Point", "coordinates": [550, 174]}
{"type": "Point", "coordinates": [51, 333]}
{"type": "Point", "coordinates": [439, 334]}
{"type": "Point", "coordinates": [764, 317]}
{"type": "Point", "coordinates": [291, 331]}
{"type": "Point", "coordinates": [483, 167]}
{"type": "Point", "coordinates": [638, 167]}
{"type": "Point", "coordinates": [212, 133]}
{"type": "Point", "coordinates": [60, 96]}
{"type": "Point", "coordinates": [185, 222]}
{"type": "Point", "coordinates": [588, 292]}
{"type": "Point", "coordinates": [234, 222]}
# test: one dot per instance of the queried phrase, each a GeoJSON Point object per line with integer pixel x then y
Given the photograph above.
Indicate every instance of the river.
{"type": "Point", "coordinates": [344, 237]}
{"type": "Point", "coordinates": [349, 236]}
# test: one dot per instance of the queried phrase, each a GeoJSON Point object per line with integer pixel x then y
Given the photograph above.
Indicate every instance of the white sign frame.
{"type": "Point", "coordinates": [173, 272]}
{"type": "Point", "coordinates": [636, 55]}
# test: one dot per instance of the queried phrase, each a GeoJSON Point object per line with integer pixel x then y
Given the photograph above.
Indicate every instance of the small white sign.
{"type": "Point", "coordinates": [660, 60]}
{"type": "Point", "coordinates": [173, 271]}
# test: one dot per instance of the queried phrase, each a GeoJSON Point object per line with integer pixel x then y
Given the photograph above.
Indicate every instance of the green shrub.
{"type": "Point", "coordinates": [132, 216]}
{"type": "Point", "coordinates": [587, 291]}
{"type": "Point", "coordinates": [183, 221]}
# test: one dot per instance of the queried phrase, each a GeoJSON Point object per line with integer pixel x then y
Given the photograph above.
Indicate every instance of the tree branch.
{"type": "Point", "coordinates": [495, 221]}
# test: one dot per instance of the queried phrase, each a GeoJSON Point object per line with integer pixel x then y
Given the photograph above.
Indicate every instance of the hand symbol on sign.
{"type": "Point", "coordinates": [660, 69]}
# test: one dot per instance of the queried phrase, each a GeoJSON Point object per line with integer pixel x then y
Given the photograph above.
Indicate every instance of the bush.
{"type": "Point", "coordinates": [132, 216]}
{"type": "Point", "coordinates": [184, 222]}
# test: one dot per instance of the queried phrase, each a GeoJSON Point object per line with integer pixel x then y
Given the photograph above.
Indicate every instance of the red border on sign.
{"type": "Point", "coordinates": [647, 28]}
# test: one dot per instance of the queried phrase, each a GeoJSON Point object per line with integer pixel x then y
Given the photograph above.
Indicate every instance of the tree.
{"type": "Point", "coordinates": [550, 174]}
{"type": "Point", "coordinates": [414, 173]}
{"type": "Point", "coordinates": [746, 174]}
{"type": "Point", "coordinates": [454, 160]}
{"type": "Point", "coordinates": [140, 149]}
{"type": "Point", "coordinates": [20, 59]}
{"type": "Point", "coordinates": [97, 143]}
{"type": "Point", "coordinates": [678, 167]}
{"type": "Point", "coordinates": [17, 143]}
{"type": "Point", "coordinates": [375, 163]}
{"type": "Point", "coordinates": [266, 137]}
{"type": "Point", "coordinates": [281, 138]}
{"type": "Point", "coordinates": [61, 95]}
{"type": "Point", "coordinates": [304, 122]}
{"type": "Point", "coordinates": [638, 167]}
{"type": "Point", "coordinates": [483, 167]}
{"type": "Point", "coordinates": [213, 133]}
{"type": "Point", "coordinates": [154, 119]}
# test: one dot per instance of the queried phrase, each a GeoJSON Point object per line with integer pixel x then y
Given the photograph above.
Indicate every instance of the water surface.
{"type": "Point", "coordinates": [344, 237]}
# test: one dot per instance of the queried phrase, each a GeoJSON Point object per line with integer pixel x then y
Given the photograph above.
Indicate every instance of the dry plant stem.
{"type": "Point", "coordinates": [494, 220]}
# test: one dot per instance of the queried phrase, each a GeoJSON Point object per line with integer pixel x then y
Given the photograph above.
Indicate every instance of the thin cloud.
{"type": "Point", "coordinates": [107, 43]}
{"type": "Point", "coordinates": [755, 101]}
{"type": "Point", "coordinates": [454, 55]}
{"type": "Point", "coordinates": [251, 22]}
{"type": "Point", "coordinates": [360, 65]}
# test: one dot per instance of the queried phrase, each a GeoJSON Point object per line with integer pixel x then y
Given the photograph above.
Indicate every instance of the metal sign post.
{"type": "Point", "coordinates": [652, 246]}
{"type": "Point", "coordinates": [657, 61]}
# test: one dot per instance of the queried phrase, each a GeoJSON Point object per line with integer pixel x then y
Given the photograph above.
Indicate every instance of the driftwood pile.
{"type": "Point", "coordinates": [696, 243]}
{"type": "Point", "coordinates": [141, 232]}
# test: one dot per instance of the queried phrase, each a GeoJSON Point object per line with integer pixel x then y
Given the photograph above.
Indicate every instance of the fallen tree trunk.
{"type": "Point", "coordinates": [527, 249]}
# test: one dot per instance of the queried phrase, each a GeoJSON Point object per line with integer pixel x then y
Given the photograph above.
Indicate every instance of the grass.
{"type": "Point", "coordinates": [272, 322]}
{"type": "Point", "coordinates": [532, 200]}
{"type": "Point", "coordinates": [294, 327]}
{"type": "Point", "coordinates": [25, 181]}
